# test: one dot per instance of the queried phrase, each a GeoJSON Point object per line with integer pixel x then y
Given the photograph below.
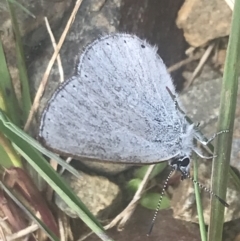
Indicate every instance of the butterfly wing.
{"type": "Point", "coordinates": [116, 108]}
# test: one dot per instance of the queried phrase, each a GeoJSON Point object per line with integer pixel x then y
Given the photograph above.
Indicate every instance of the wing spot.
{"type": "Point", "coordinates": [107, 43]}
{"type": "Point", "coordinates": [85, 75]}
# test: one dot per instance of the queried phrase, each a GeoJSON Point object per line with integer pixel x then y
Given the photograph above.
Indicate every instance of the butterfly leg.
{"type": "Point", "coordinates": [203, 140]}
{"type": "Point", "coordinates": [199, 153]}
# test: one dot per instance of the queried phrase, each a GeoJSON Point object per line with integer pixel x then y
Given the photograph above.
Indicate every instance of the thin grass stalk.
{"type": "Point", "coordinates": [226, 122]}
{"type": "Point", "coordinates": [19, 5]}
{"type": "Point", "coordinates": [8, 97]}
{"type": "Point", "coordinates": [202, 226]}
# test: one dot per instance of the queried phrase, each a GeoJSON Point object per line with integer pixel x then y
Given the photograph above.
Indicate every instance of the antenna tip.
{"type": "Point", "coordinates": [150, 229]}
{"type": "Point", "coordinates": [223, 202]}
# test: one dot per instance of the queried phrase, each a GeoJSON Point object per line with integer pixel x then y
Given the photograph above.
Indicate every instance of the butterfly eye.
{"type": "Point", "coordinates": [184, 162]}
{"type": "Point", "coordinates": [184, 167]}
{"type": "Point", "coordinates": [181, 164]}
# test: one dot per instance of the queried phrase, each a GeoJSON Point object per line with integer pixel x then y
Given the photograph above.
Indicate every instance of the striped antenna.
{"type": "Point", "coordinates": [207, 190]}
{"type": "Point", "coordinates": [159, 203]}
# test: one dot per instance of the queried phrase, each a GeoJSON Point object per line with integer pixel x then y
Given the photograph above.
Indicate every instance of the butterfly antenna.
{"type": "Point", "coordinates": [159, 203]}
{"type": "Point", "coordinates": [207, 190]}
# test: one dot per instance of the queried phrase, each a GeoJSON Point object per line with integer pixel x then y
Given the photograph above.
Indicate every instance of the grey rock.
{"type": "Point", "coordinates": [100, 195]}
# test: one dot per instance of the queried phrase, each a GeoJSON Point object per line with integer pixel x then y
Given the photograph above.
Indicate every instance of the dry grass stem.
{"type": "Point", "coordinates": [49, 67]}
{"type": "Point", "coordinates": [201, 63]}
{"type": "Point", "coordinates": [184, 62]}
{"type": "Point", "coordinates": [230, 3]}
{"type": "Point", "coordinates": [60, 68]}
{"type": "Point", "coordinates": [123, 217]}
{"type": "Point", "coordinates": [22, 233]}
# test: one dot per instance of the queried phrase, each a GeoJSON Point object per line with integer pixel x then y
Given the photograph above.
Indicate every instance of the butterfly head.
{"type": "Point", "coordinates": [182, 164]}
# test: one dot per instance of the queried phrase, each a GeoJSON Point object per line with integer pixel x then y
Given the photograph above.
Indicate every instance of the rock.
{"type": "Point", "coordinates": [201, 102]}
{"type": "Point", "coordinates": [204, 20]}
{"type": "Point", "coordinates": [105, 168]}
{"type": "Point", "coordinates": [100, 195]}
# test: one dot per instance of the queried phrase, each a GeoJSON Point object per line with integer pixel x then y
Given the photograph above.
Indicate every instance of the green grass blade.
{"type": "Point", "coordinates": [199, 203]}
{"type": "Point", "coordinates": [7, 90]}
{"type": "Point", "coordinates": [9, 104]}
{"type": "Point", "coordinates": [226, 122]}
{"type": "Point", "coordinates": [23, 8]}
{"type": "Point", "coordinates": [12, 158]}
{"type": "Point", "coordinates": [49, 233]}
{"type": "Point", "coordinates": [234, 178]}
{"type": "Point", "coordinates": [26, 100]}
{"type": "Point", "coordinates": [5, 160]}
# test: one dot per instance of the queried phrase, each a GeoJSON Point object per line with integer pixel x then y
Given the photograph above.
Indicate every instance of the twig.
{"type": "Point", "coordinates": [2, 234]}
{"type": "Point", "coordinates": [22, 233]}
{"type": "Point", "coordinates": [230, 3]}
{"type": "Point", "coordinates": [60, 69]}
{"type": "Point", "coordinates": [61, 230]}
{"type": "Point", "coordinates": [201, 63]}
{"type": "Point", "coordinates": [68, 160]}
{"type": "Point", "coordinates": [127, 212]}
{"type": "Point", "coordinates": [184, 62]}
